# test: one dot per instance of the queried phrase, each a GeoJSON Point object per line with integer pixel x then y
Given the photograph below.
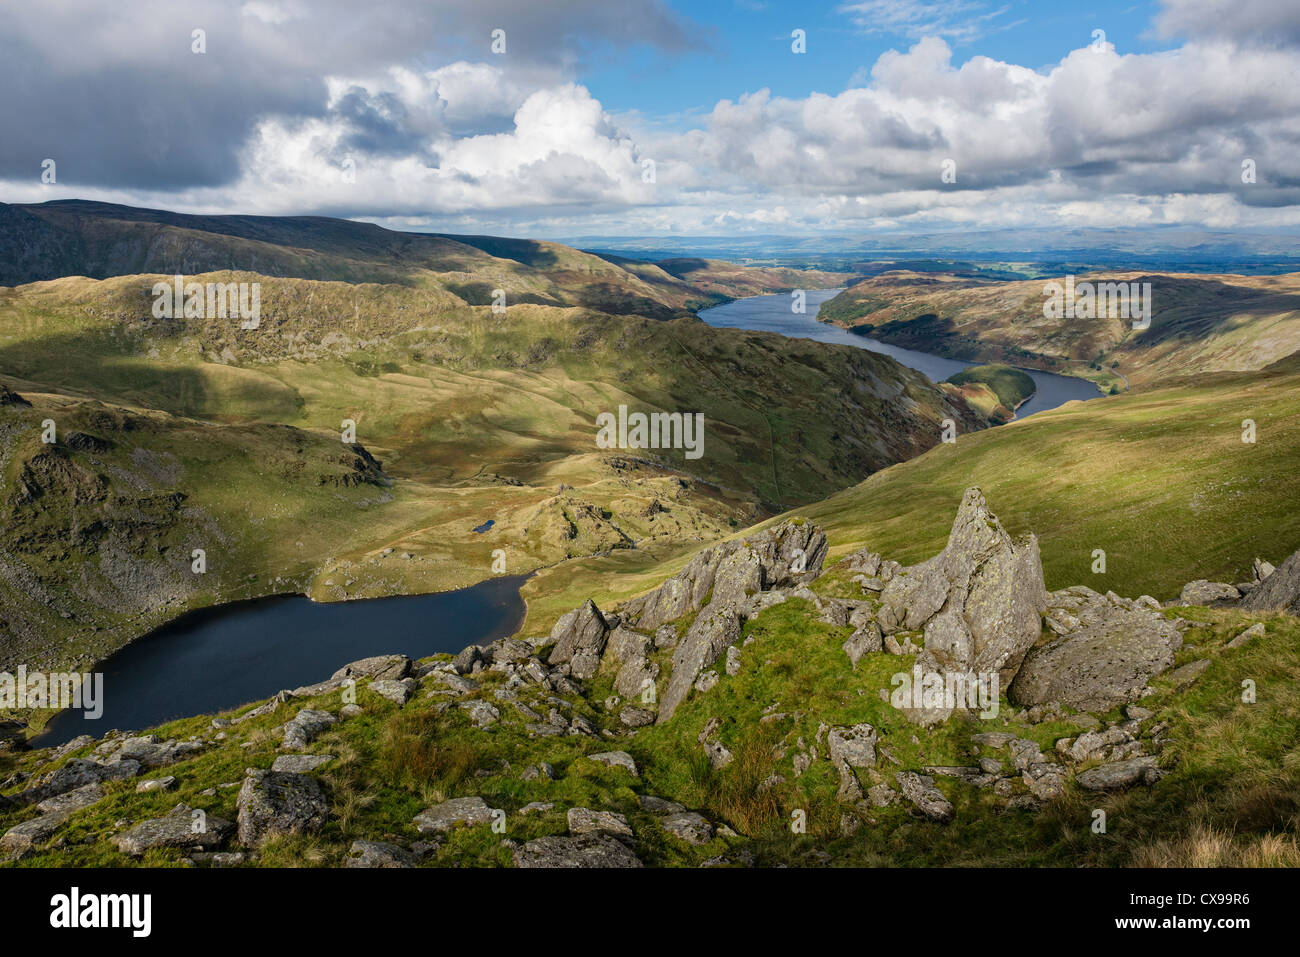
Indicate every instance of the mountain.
{"type": "Point", "coordinates": [181, 433]}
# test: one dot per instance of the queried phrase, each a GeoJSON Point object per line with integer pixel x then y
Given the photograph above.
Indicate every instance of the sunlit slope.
{"type": "Point", "coordinates": [1159, 479]}
{"type": "Point", "coordinates": [1199, 323]}
{"type": "Point", "coordinates": [451, 393]}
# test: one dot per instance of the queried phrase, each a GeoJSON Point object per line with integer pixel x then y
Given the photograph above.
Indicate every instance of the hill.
{"type": "Point", "coordinates": [1200, 323]}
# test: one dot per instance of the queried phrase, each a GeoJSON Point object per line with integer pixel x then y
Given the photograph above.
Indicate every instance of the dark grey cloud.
{"type": "Point", "coordinates": [113, 93]}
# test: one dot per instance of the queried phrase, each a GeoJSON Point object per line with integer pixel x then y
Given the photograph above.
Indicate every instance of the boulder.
{"type": "Point", "coordinates": [300, 763]}
{"type": "Point", "coordinates": [714, 630]}
{"type": "Point", "coordinates": [1256, 630]}
{"type": "Point", "coordinates": [1119, 774]}
{"type": "Point", "coordinates": [462, 811]}
{"type": "Point", "coordinates": [25, 836]}
{"type": "Point", "coordinates": [391, 667]}
{"type": "Point", "coordinates": [181, 827]}
{"type": "Point", "coordinates": [396, 690]}
{"type": "Point", "coordinates": [616, 759]}
{"type": "Point", "coordinates": [73, 800]}
{"type": "Point", "coordinates": [865, 640]}
{"type": "Point", "coordinates": [368, 854]}
{"type": "Point", "coordinates": [924, 796]}
{"type": "Point", "coordinates": [584, 820]}
{"type": "Point", "coordinates": [579, 638]}
{"type": "Point", "coordinates": [153, 752]}
{"type": "Point", "coordinates": [1207, 593]}
{"type": "Point", "coordinates": [1097, 667]}
{"type": "Point", "coordinates": [688, 826]}
{"type": "Point", "coordinates": [303, 728]}
{"type": "Point", "coordinates": [279, 802]}
{"type": "Point", "coordinates": [1277, 591]}
{"type": "Point", "coordinates": [77, 773]}
{"type": "Point", "coordinates": [634, 717]}
{"type": "Point", "coordinates": [851, 747]}
{"type": "Point", "coordinates": [583, 850]}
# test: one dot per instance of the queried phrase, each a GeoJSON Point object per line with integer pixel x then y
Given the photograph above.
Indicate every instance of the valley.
{"type": "Point", "coordinates": [426, 470]}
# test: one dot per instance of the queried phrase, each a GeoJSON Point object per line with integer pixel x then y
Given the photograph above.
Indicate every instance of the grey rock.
{"type": "Point", "coordinates": [463, 811]}
{"type": "Point", "coordinates": [396, 690]}
{"type": "Point", "coordinates": [714, 630]}
{"type": "Point", "coordinates": [304, 727]}
{"type": "Point", "coordinates": [152, 752]}
{"type": "Point", "coordinates": [978, 601]}
{"type": "Point", "coordinates": [634, 717]}
{"type": "Point", "coordinates": [1278, 591]}
{"type": "Point", "coordinates": [370, 854]}
{"type": "Point", "coordinates": [924, 796]}
{"type": "Point", "coordinates": [181, 827]}
{"type": "Point", "coordinates": [1098, 666]}
{"type": "Point", "coordinates": [279, 802]}
{"type": "Point", "coordinates": [1187, 674]}
{"type": "Point", "coordinates": [864, 640]}
{"type": "Point", "coordinates": [1119, 775]}
{"type": "Point", "coordinates": [658, 805]}
{"type": "Point", "coordinates": [616, 759]}
{"type": "Point", "coordinates": [1045, 780]}
{"type": "Point", "coordinates": [1256, 630]}
{"type": "Point", "coordinates": [394, 667]}
{"type": "Point", "coordinates": [465, 661]}
{"type": "Point", "coordinates": [73, 800]}
{"type": "Point", "coordinates": [851, 747]}
{"type": "Point", "coordinates": [1207, 593]}
{"type": "Point", "coordinates": [481, 713]}
{"type": "Point", "coordinates": [300, 763]}
{"type": "Point", "coordinates": [690, 827]}
{"type": "Point", "coordinates": [579, 638]}
{"type": "Point", "coordinates": [584, 820]}
{"type": "Point", "coordinates": [584, 850]}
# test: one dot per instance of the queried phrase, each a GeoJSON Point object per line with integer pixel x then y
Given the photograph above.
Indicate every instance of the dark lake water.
{"type": "Point", "coordinates": [772, 314]}
{"type": "Point", "coordinates": [225, 656]}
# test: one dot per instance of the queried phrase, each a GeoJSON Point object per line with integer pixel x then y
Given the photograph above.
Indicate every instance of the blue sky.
{"type": "Point", "coordinates": [749, 47]}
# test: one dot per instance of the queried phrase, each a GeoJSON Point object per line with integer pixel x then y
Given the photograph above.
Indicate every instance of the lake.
{"type": "Point", "coordinates": [772, 314]}
{"type": "Point", "coordinates": [221, 657]}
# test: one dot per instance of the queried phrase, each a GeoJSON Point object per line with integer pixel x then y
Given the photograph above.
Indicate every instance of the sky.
{"type": "Point", "coordinates": [659, 118]}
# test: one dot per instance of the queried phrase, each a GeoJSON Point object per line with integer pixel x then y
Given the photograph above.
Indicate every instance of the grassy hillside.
{"type": "Point", "coordinates": [475, 415]}
{"type": "Point", "coordinates": [1158, 478]}
{"type": "Point", "coordinates": [1201, 323]}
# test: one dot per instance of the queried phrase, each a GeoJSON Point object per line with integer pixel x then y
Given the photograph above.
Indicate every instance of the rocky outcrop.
{"type": "Point", "coordinates": [1278, 590]}
{"type": "Point", "coordinates": [979, 601]}
{"type": "Point", "coordinates": [579, 638]}
{"type": "Point", "coordinates": [786, 555]}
